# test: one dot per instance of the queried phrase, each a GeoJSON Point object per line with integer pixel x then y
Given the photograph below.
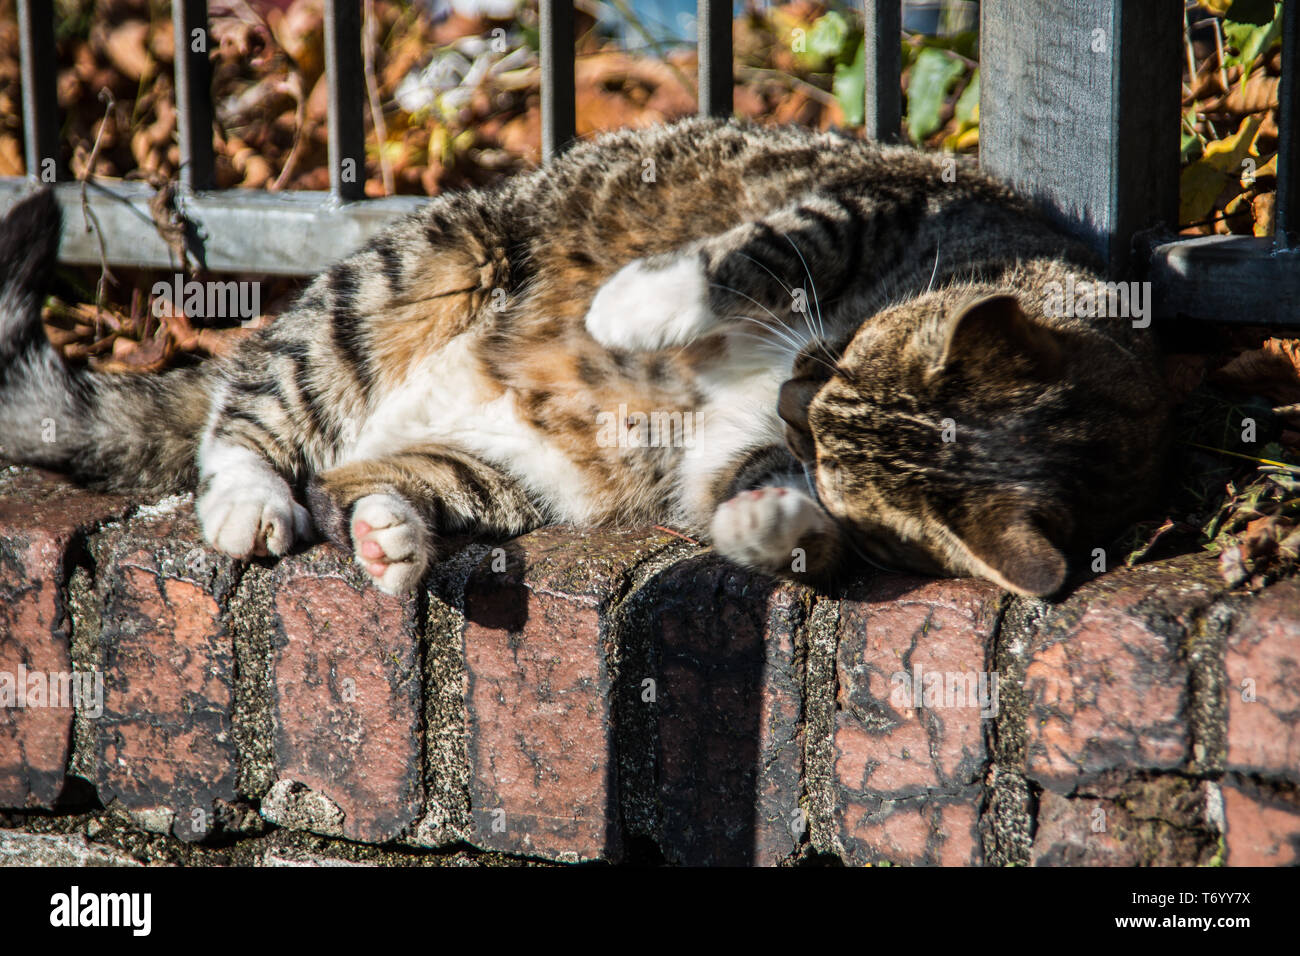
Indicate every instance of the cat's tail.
{"type": "Point", "coordinates": [116, 432]}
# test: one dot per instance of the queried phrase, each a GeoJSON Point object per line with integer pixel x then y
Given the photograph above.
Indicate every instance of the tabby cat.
{"type": "Point", "coordinates": [847, 345]}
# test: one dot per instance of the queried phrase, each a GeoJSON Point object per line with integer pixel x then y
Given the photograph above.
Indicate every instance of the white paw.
{"type": "Point", "coordinates": [762, 528]}
{"type": "Point", "coordinates": [645, 309]}
{"type": "Point", "coordinates": [247, 512]}
{"type": "Point", "coordinates": [390, 541]}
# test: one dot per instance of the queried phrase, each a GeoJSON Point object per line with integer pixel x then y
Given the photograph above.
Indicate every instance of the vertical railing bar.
{"type": "Point", "coordinates": [883, 109]}
{"type": "Point", "coordinates": [713, 26]}
{"type": "Point", "coordinates": [345, 75]}
{"type": "Point", "coordinates": [40, 93]}
{"type": "Point", "coordinates": [1288, 121]}
{"type": "Point", "coordinates": [559, 117]}
{"type": "Point", "coordinates": [194, 93]}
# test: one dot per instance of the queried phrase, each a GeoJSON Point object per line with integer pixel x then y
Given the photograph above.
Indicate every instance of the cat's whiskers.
{"type": "Point", "coordinates": [779, 281]}
{"type": "Point", "coordinates": [783, 331]}
{"type": "Point", "coordinates": [784, 354]}
{"type": "Point", "coordinates": [818, 334]}
{"type": "Point", "coordinates": [793, 344]}
{"type": "Point", "coordinates": [820, 338]}
{"type": "Point", "coordinates": [795, 347]}
{"type": "Point", "coordinates": [812, 285]}
{"type": "Point", "coordinates": [779, 328]}
{"type": "Point", "coordinates": [935, 270]}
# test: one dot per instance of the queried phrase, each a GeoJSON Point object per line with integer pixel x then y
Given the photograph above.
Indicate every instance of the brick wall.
{"type": "Point", "coordinates": [626, 696]}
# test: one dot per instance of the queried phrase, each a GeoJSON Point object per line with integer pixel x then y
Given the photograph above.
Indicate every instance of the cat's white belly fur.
{"type": "Point", "coordinates": [444, 401]}
{"type": "Point", "coordinates": [739, 413]}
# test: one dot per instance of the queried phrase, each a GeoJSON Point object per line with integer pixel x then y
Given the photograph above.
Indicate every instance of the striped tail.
{"type": "Point", "coordinates": [135, 433]}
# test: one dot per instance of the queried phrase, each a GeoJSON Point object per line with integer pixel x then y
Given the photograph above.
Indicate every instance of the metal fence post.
{"type": "Point", "coordinates": [344, 71]}
{"type": "Point", "coordinates": [883, 25]}
{"type": "Point", "coordinates": [559, 119]}
{"type": "Point", "coordinates": [193, 93]}
{"type": "Point", "coordinates": [40, 96]}
{"type": "Point", "coordinates": [1079, 106]}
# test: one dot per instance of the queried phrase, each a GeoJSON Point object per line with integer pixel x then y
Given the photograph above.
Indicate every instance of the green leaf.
{"type": "Point", "coordinates": [932, 76]}
{"type": "Point", "coordinates": [850, 86]}
{"type": "Point", "coordinates": [828, 36]}
{"type": "Point", "coordinates": [1203, 180]}
{"type": "Point", "coordinates": [1250, 40]}
{"type": "Point", "coordinates": [968, 104]}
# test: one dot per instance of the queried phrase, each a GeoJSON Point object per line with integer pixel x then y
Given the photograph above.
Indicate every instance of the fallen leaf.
{"type": "Point", "coordinates": [127, 48]}
{"type": "Point", "coordinates": [1202, 181]}
{"type": "Point", "coordinates": [1272, 370]}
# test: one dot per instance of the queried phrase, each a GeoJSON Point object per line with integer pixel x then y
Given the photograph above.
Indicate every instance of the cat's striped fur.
{"type": "Point", "coordinates": [452, 375]}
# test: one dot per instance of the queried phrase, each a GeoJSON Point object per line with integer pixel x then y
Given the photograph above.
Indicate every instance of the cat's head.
{"type": "Point", "coordinates": [962, 434]}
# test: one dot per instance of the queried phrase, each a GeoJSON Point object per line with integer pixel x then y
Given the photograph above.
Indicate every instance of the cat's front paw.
{"type": "Point", "coordinates": [643, 308]}
{"type": "Point", "coordinates": [390, 541]}
{"type": "Point", "coordinates": [251, 513]}
{"type": "Point", "coordinates": [768, 528]}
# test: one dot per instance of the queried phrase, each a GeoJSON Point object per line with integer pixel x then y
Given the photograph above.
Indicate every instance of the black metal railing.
{"type": "Point", "coordinates": [1085, 125]}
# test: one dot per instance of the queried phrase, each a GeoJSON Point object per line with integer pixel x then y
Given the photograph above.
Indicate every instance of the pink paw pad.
{"type": "Point", "coordinates": [377, 561]}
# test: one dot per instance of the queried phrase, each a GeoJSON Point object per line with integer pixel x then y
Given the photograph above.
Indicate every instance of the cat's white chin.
{"type": "Point", "coordinates": [643, 309]}
{"type": "Point", "coordinates": [763, 528]}
{"type": "Point", "coordinates": [390, 542]}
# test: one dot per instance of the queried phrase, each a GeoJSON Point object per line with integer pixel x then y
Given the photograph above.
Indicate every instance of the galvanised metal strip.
{"type": "Point", "coordinates": [293, 233]}
{"type": "Point", "coordinates": [346, 77]}
{"type": "Point", "coordinates": [1226, 279]}
{"type": "Point", "coordinates": [883, 23]}
{"type": "Point", "coordinates": [559, 116]}
{"type": "Point", "coordinates": [713, 32]}
{"type": "Point", "coordinates": [40, 93]}
{"type": "Point", "coordinates": [194, 93]}
{"type": "Point", "coordinates": [1288, 120]}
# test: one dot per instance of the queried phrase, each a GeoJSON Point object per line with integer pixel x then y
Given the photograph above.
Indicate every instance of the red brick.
{"type": "Point", "coordinates": [346, 693]}
{"type": "Point", "coordinates": [923, 831]}
{"type": "Point", "coordinates": [1163, 821]}
{"type": "Point", "coordinates": [1106, 685]}
{"type": "Point", "coordinates": [1263, 663]}
{"type": "Point", "coordinates": [40, 516]}
{"type": "Point", "coordinates": [540, 734]}
{"type": "Point", "coordinates": [729, 703]}
{"type": "Point", "coordinates": [1260, 831]}
{"type": "Point", "coordinates": [165, 737]}
{"type": "Point", "coordinates": [886, 747]}
{"type": "Point", "coordinates": [906, 775]}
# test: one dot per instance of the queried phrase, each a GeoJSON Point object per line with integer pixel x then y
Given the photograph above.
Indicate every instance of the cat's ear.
{"type": "Point", "coordinates": [807, 376]}
{"type": "Point", "coordinates": [1014, 553]}
{"type": "Point", "coordinates": [992, 333]}
{"type": "Point", "coordinates": [792, 405]}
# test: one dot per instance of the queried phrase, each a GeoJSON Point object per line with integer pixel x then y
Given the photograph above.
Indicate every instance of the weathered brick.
{"type": "Point", "coordinates": [40, 518]}
{"type": "Point", "coordinates": [540, 738]}
{"type": "Point", "coordinates": [910, 734]}
{"type": "Point", "coordinates": [61, 850]}
{"type": "Point", "coordinates": [1262, 829]}
{"type": "Point", "coordinates": [1106, 684]}
{"type": "Point", "coordinates": [346, 694]}
{"type": "Point", "coordinates": [1163, 821]}
{"type": "Point", "coordinates": [919, 831]}
{"type": "Point", "coordinates": [728, 698]}
{"type": "Point", "coordinates": [1263, 684]}
{"type": "Point", "coordinates": [164, 740]}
